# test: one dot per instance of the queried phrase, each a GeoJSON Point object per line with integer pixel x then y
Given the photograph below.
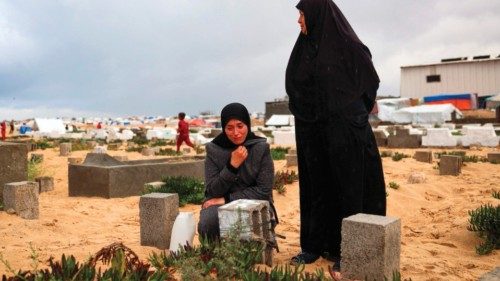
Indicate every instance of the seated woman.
{"type": "Point", "coordinates": [238, 166]}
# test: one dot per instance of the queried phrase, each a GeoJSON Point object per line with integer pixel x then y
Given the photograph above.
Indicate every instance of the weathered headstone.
{"type": "Point", "coordinates": [157, 213]}
{"type": "Point", "coordinates": [75, 160]}
{"type": "Point", "coordinates": [22, 197]}
{"type": "Point", "coordinates": [13, 164]}
{"type": "Point", "coordinates": [450, 165]}
{"type": "Point", "coordinates": [254, 217]}
{"type": "Point", "coordinates": [494, 157]}
{"type": "Point", "coordinates": [45, 183]}
{"type": "Point", "coordinates": [112, 146]}
{"type": "Point", "coordinates": [65, 149]}
{"type": "Point", "coordinates": [423, 156]}
{"type": "Point", "coordinates": [403, 139]}
{"type": "Point", "coordinates": [291, 160]}
{"type": "Point", "coordinates": [370, 247]}
{"type": "Point", "coordinates": [381, 136]}
{"type": "Point", "coordinates": [146, 151]}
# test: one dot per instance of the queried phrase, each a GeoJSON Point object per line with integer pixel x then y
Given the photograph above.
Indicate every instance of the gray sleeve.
{"type": "Point", "coordinates": [217, 182]}
{"type": "Point", "coordinates": [264, 181]}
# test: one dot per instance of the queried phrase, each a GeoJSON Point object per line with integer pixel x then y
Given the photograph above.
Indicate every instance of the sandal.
{"type": "Point", "coordinates": [304, 258]}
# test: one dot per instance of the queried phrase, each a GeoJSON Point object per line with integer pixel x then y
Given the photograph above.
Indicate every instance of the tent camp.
{"type": "Point", "coordinates": [48, 126]}
{"type": "Point", "coordinates": [426, 114]}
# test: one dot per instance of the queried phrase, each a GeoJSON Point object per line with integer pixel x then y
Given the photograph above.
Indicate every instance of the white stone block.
{"type": "Point", "coordinates": [284, 138]}
{"type": "Point", "coordinates": [439, 137]}
{"type": "Point", "coordinates": [484, 136]}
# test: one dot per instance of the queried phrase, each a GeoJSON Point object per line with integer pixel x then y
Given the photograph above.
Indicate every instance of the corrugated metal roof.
{"type": "Point", "coordinates": [452, 62]}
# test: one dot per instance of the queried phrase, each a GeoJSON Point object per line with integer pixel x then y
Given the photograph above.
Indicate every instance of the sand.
{"type": "Point", "coordinates": [436, 244]}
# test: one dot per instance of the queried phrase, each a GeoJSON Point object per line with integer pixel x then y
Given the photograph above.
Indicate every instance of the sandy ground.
{"type": "Point", "coordinates": [435, 242]}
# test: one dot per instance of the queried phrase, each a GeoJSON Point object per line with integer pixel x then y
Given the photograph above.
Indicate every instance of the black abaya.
{"type": "Point", "coordinates": [332, 84]}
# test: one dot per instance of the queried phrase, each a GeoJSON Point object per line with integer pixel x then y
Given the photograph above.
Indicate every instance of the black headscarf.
{"type": "Point", "coordinates": [229, 112]}
{"type": "Point", "coordinates": [329, 68]}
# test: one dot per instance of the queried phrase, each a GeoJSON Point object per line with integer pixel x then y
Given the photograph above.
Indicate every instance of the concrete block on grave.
{"type": "Point", "coordinates": [254, 218]}
{"type": "Point", "coordinates": [121, 157]}
{"type": "Point", "coordinates": [423, 156]}
{"type": "Point", "coordinates": [146, 151]}
{"type": "Point", "coordinates": [113, 146]}
{"type": "Point", "coordinates": [45, 184]}
{"type": "Point", "coordinates": [65, 149]}
{"type": "Point", "coordinates": [370, 247]}
{"type": "Point", "coordinates": [381, 136]}
{"type": "Point", "coordinates": [157, 213]}
{"type": "Point", "coordinates": [100, 159]}
{"type": "Point", "coordinates": [36, 157]}
{"type": "Point", "coordinates": [439, 137]}
{"type": "Point", "coordinates": [284, 138]}
{"type": "Point", "coordinates": [13, 164]}
{"type": "Point", "coordinates": [291, 160]}
{"type": "Point", "coordinates": [75, 160]}
{"type": "Point", "coordinates": [494, 157]}
{"type": "Point", "coordinates": [403, 139]}
{"type": "Point", "coordinates": [483, 136]}
{"type": "Point", "coordinates": [186, 150]}
{"type": "Point", "coordinates": [493, 275]}
{"type": "Point", "coordinates": [450, 165]}
{"type": "Point", "coordinates": [22, 197]}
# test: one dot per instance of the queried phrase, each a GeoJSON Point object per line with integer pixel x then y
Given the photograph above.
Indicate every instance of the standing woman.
{"type": "Point", "coordinates": [238, 166]}
{"type": "Point", "coordinates": [332, 84]}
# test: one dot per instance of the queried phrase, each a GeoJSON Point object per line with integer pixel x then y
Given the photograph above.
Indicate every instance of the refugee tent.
{"type": "Point", "coordinates": [279, 120]}
{"type": "Point", "coordinates": [461, 101]}
{"type": "Point", "coordinates": [49, 125]}
{"type": "Point", "coordinates": [386, 107]}
{"type": "Point", "coordinates": [426, 114]}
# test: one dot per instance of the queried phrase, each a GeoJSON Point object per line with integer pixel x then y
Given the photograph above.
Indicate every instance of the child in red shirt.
{"type": "Point", "coordinates": [183, 132]}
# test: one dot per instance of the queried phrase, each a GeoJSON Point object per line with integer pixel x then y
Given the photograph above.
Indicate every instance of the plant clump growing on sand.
{"type": "Point", "coordinates": [394, 185]}
{"type": "Point", "coordinates": [398, 156]}
{"type": "Point", "coordinates": [190, 190]}
{"type": "Point", "coordinates": [485, 220]}
{"type": "Point", "coordinates": [279, 152]}
{"type": "Point", "coordinates": [283, 178]}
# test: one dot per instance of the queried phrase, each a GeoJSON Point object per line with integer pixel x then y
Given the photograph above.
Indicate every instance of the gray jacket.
{"type": "Point", "coordinates": [254, 179]}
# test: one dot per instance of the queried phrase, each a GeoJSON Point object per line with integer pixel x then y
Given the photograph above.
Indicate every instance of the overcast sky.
{"type": "Point", "coordinates": [159, 57]}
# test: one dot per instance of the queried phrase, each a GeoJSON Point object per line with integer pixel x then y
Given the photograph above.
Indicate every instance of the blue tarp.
{"type": "Point", "coordinates": [447, 97]}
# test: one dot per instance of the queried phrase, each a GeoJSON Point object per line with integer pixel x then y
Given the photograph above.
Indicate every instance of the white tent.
{"type": "Point", "coordinates": [281, 120]}
{"type": "Point", "coordinates": [386, 107]}
{"type": "Point", "coordinates": [426, 114]}
{"type": "Point", "coordinates": [48, 126]}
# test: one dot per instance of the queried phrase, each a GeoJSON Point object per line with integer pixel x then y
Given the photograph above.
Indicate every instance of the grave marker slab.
{"type": "Point", "coordinates": [65, 149]}
{"type": "Point", "coordinates": [157, 213]}
{"type": "Point", "coordinates": [450, 165]}
{"type": "Point", "coordinates": [423, 156]}
{"type": "Point", "coordinates": [45, 183]}
{"type": "Point", "coordinates": [22, 197]}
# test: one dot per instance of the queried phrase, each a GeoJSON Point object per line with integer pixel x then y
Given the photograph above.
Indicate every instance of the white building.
{"type": "Point", "coordinates": [480, 75]}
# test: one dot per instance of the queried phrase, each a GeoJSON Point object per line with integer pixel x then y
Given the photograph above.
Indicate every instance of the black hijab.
{"type": "Point", "coordinates": [329, 68]}
{"type": "Point", "coordinates": [229, 112]}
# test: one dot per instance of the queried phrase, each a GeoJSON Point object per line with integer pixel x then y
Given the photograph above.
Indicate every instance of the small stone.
{"type": "Point", "coordinates": [416, 178]}
{"type": "Point", "coordinates": [11, 211]}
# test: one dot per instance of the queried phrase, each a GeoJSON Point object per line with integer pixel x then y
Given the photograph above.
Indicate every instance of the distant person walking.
{"type": "Point", "coordinates": [183, 132]}
{"type": "Point", "coordinates": [3, 125]}
{"type": "Point", "coordinates": [12, 127]}
{"type": "Point", "coordinates": [99, 125]}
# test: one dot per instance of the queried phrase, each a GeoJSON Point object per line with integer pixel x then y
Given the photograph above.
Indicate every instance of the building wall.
{"type": "Point", "coordinates": [276, 107]}
{"type": "Point", "coordinates": [481, 77]}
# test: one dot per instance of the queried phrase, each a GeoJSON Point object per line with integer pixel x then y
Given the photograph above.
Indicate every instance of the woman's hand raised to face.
{"type": "Point", "coordinates": [238, 156]}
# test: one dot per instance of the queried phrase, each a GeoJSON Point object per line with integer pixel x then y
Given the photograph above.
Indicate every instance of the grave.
{"type": "Point", "coordinates": [284, 138]}
{"type": "Point", "coordinates": [291, 160]}
{"type": "Point", "coordinates": [483, 136]}
{"type": "Point", "coordinates": [65, 149]}
{"type": "Point", "coordinates": [104, 176]}
{"type": "Point", "coordinates": [370, 247]}
{"type": "Point", "coordinates": [157, 213]}
{"type": "Point", "coordinates": [254, 217]}
{"type": "Point", "coordinates": [450, 165]}
{"type": "Point", "coordinates": [45, 184]}
{"type": "Point", "coordinates": [494, 157]}
{"type": "Point", "coordinates": [22, 197]}
{"type": "Point", "coordinates": [75, 160]}
{"type": "Point", "coordinates": [381, 136]}
{"type": "Point", "coordinates": [439, 137]}
{"type": "Point", "coordinates": [423, 156]}
{"type": "Point", "coordinates": [403, 139]}
{"type": "Point", "coordinates": [13, 164]}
